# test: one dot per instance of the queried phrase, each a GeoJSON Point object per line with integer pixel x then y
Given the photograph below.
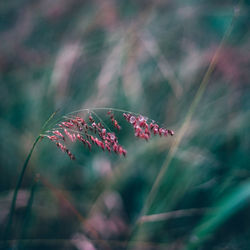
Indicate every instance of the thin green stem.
{"type": "Point", "coordinates": [103, 108]}
{"type": "Point", "coordinates": [20, 179]}
{"type": "Point", "coordinates": [19, 182]}
{"type": "Point", "coordinates": [89, 110]}
{"type": "Point", "coordinates": [151, 196]}
{"type": "Point", "coordinates": [27, 213]}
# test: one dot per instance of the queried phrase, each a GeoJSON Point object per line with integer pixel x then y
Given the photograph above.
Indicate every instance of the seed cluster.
{"type": "Point", "coordinates": [90, 133]}
{"type": "Point", "coordinates": [143, 129]}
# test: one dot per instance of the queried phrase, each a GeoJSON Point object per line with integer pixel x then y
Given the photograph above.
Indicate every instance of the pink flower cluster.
{"type": "Point", "coordinates": [89, 133]}
{"type": "Point", "coordinates": [143, 129]}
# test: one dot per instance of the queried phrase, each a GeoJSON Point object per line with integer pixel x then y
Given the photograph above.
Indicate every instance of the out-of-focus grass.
{"type": "Point", "coordinates": [148, 57]}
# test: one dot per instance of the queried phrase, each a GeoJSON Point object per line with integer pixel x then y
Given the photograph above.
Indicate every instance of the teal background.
{"type": "Point", "coordinates": [148, 57]}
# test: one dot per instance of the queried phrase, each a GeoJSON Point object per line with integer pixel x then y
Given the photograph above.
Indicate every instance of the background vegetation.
{"type": "Point", "coordinates": [149, 57]}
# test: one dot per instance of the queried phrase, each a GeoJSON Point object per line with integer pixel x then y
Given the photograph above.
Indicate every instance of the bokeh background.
{"type": "Point", "coordinates": [148, 57]}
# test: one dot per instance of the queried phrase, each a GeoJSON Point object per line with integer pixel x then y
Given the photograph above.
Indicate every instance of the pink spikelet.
{"type": "Point", "coordinates": [64, 149]}
{"type": "Point", "coordinates": [71, 136]}
{"type": "Point", "coordinates": [113, 120]}
{"type": "Point", "coordinates": [53, 138]}
{"type": "Point", "coordinates": [61, 146]}
{"type": "Point", "coordinates": [56, 132]}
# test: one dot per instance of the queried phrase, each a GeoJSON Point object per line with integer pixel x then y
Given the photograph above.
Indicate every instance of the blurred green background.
{"type": "Point", "coordinates": [148, 57]}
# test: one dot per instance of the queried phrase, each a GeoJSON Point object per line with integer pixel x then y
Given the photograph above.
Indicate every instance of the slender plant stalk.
{"type": "Point", "coordinates": [20, 179]}
{"type": "Point", "coordinates": [187, 120]}
{"type": "Point", "coordinates": [27, 214]}
{"type": "Point", "coordinates": [19, 182]}
{"type": "Point", "coordinates": [150, 198]}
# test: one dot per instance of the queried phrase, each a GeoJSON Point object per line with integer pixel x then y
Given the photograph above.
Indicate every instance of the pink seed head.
{"type": "Point", "coordinates": [155, 130]}
{"type": "Point", "coordinates": [124, 152]}
{"type": "Point", "coordinates": [53, 138]}
{"type": "Point", "coordinates": [56, 132]}
{"type": "Point", "coordinates": [171, 132]}
{"type": "Point", "coordinates": [132, 119]}
{"type": "Point", "coordinates": [112, 136]}
{"type": "Point", "coordinates": [91, 119]}
{"type": "Point", "coordinates": [103, 132]}
{"type": "Point", "coordinates": [141, 118]}
{"type": "Point", "coordinates": [108, 147]}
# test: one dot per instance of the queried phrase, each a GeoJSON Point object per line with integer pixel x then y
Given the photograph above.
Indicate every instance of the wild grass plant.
{"type": "Point", "coordinates": [183, 64]}
{"type": "Point", "coordinates": [90, 131]}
